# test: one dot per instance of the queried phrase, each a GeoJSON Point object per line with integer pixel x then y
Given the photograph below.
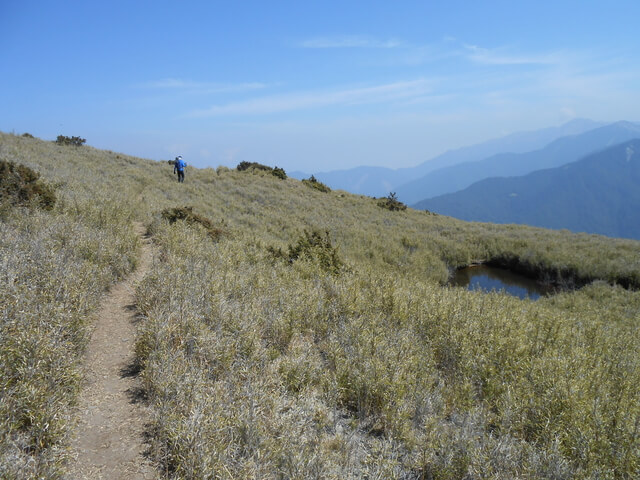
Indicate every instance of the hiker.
{"type": "Point", "coordinates": [178, 166]}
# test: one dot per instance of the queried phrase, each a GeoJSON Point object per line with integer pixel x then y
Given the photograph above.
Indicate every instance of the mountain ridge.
{"type": "Point", "coordinates": [597, 194]}
{"type": "Point", "coordinates": [558, 152]}
{"type": "Point", "coordinates": [379, 181]}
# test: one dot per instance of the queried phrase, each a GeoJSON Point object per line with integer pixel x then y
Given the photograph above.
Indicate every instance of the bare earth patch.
{"type": "Point", "coordinates": [109, 442]}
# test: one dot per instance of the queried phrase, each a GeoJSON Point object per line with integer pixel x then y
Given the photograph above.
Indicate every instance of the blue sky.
{"type": "Point", "coordinates": [312, 85]}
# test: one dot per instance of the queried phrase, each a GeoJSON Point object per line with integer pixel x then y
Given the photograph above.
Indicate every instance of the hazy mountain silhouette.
{"type": "Point", "coordinates": [559, 152]}
{"type": "Point", "coordinates": [597, 194]}
{"type": "Point", "coordinates": [379, 181]}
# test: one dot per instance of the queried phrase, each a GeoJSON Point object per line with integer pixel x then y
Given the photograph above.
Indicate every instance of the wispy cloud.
{"type": "Point", "coordinates": [500, 56]}
{"type": "Point", "coordinates": [406, 53]}
{"type": "Point", "coordinates": [306, 100]}
{"type": "Point", "coordinates": [176, 84]}
{"type": "Point", "coordinates": [349, 41]}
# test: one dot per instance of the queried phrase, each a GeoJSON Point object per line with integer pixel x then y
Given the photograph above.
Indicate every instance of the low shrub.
{"type": "Point", "coordinates": [72, 141]}
{"type": "Point", "coordinates": [20, 185]}
{"type": "Point", "coordinates": [27, 135]}
{"type": "Point", "coordinates": [244, 166]}
{"type": "Point", "coordinates": [279, 172]}
{"type": "Point", "coordinates": [254, 166]}
{"type": "Point", "coordinates": [392, 203]}
{"type": "Point", "coordinates": [186, 214]}
{"type": "Point", "coordinates": [312, 182]}
{"type": "Point", "coordinates": [314, 246]}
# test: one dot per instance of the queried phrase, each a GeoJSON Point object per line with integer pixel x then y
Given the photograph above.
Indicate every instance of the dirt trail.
{"type": "Point", "coordinates": [109, 443]}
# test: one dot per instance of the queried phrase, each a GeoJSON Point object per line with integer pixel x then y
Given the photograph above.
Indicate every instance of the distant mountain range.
{"type": "Point", "coordinates": [559, 152]}
{"type": "Point", "coordinates": [599, 193]}
{"type": "Point", "coordinates": [379, 181]}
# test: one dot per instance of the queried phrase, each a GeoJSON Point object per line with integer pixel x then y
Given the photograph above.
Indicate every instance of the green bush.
{"type": "Point", "coordinates": [312, 182]}
{"type": "Point", "coordinates": [279, 172]}
{"type": "Point", "coordinates": [19, 185]}
{"type": "Point", "coordinates": [186, 214]}
{"type": "Point", "coordinates": [72, 141]}
{"type": "Point", "coordinates": [314, 246]}
{"type": "Point", "coordinates": [253, 166]}
{"type": "Point", "coordinates": [244, 166]}
{"type": "Point", "coordinates": [391, 202]}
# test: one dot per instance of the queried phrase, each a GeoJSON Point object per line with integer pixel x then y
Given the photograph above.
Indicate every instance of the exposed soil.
{"type": "Point", "coordinates": [109, 441]}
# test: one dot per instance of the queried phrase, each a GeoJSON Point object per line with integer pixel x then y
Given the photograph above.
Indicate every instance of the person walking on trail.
{"type": "Point", "coordinates": [178, 167]}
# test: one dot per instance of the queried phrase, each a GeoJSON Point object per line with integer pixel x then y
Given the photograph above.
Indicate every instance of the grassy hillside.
{"type": "Point", "coordinates": [261, 360]}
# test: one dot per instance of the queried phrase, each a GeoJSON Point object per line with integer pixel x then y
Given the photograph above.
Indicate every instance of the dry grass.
{"type": "Point", "coordinates": [54, 268]}
{"type": "Point", "coordinates": [264, 369]}
{"type": "Point", "coordinates": [267, 371]}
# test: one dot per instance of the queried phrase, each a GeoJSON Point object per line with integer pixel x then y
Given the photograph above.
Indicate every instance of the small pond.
{"type": "Point", "coordinates": [484, 277]}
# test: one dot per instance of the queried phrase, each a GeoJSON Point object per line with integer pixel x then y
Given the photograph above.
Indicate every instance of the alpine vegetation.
{"type": "Point", "coordinates": [312, 182]}
{"type": "Point", "coordinates": [316, 338]}
{"type": "Point", "coordinates": [20, 185]}
{"type": "Point", "coordinates": [391, 202]}
{"type": "Point", "coordinates": [258, 167]}
{"type": "Point", "coordinates": [73, 141]}
{"type": "Point", "coordinates": [54, 266]}
{"type": "Point", "coordinates": [186, 214]}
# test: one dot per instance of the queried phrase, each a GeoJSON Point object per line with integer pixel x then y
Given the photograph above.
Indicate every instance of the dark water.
{"type": "Point", "coordinates": [483, 277]}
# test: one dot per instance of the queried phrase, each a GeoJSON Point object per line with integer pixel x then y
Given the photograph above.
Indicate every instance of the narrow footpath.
{"type": "Point", "coordinates": [109, 442]}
